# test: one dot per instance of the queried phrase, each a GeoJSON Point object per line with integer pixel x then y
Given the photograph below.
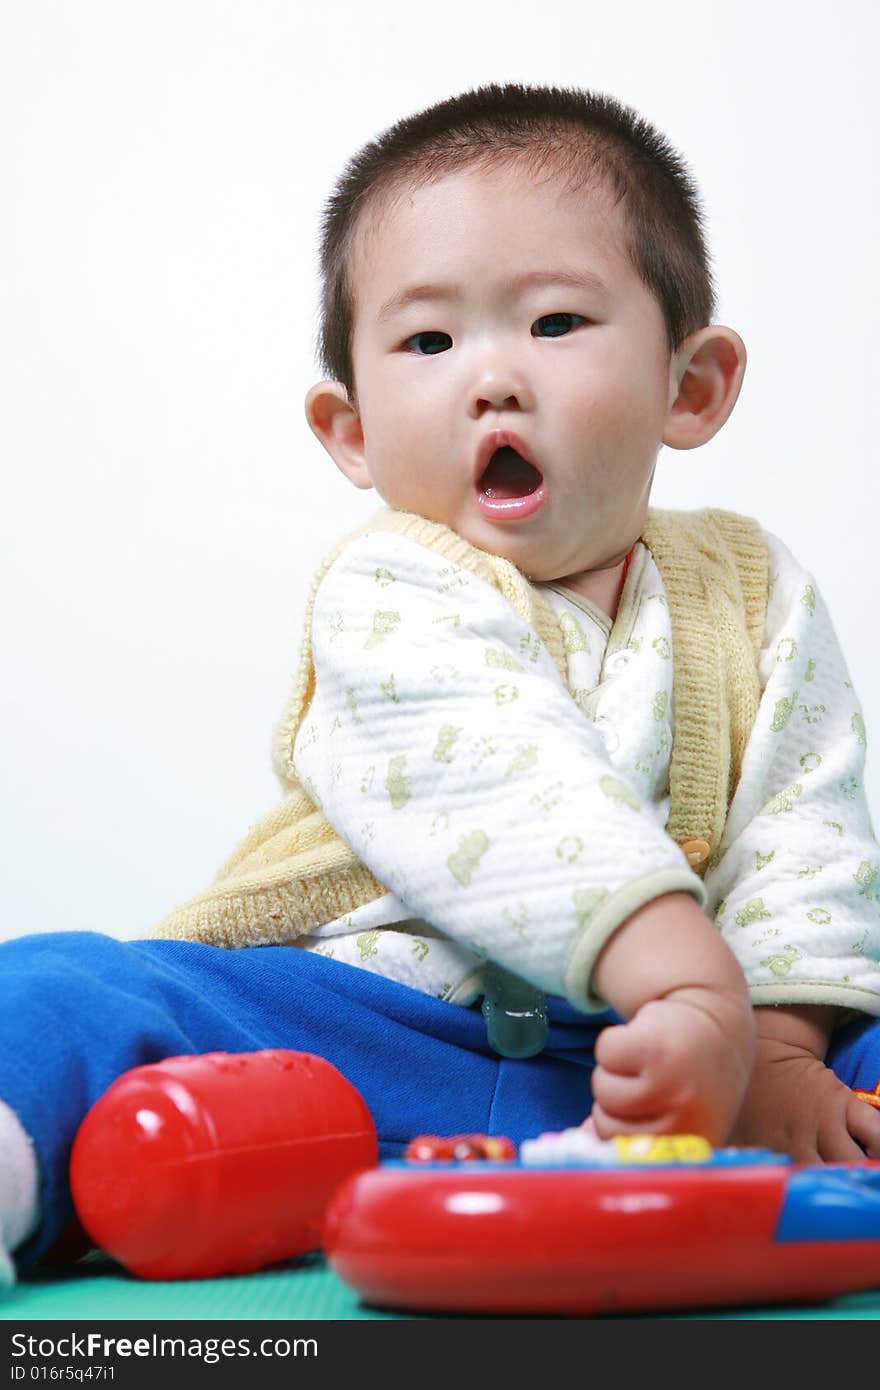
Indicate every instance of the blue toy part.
{"type": "Point", "coordinates": [831, 1203]}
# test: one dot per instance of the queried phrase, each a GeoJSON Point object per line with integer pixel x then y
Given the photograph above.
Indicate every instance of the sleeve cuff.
{"type": "Point", "coordinates": [611, 914]}
{"type": "Point", "coordinates": [832, 994]}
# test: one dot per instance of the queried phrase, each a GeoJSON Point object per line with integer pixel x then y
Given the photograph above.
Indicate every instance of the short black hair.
{"type": "Point", "coordinates": [561, 132]}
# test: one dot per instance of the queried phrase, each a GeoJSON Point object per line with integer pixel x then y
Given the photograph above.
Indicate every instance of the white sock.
{"type": "Point", "coordinates": [19, 1190]}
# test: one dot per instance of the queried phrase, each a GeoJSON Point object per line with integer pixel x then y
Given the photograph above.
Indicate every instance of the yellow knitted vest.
{"type": "Point", "coordinates": [293, 872]}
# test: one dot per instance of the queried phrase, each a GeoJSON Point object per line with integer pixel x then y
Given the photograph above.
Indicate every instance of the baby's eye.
{"type": "Point", "coordinates": [426, 344]}
{"type": "Point", "coordinates": [556, 325]}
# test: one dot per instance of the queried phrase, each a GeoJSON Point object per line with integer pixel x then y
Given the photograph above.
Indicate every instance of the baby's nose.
{"type": "Point", "coordinates": [498, 401]}
{"type": "Point", "coordinates": [501, 386]}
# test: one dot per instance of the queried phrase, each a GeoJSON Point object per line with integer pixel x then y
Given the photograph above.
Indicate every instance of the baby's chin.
{"type": "Point", "coordinates": [525, 545]}
{"type": "Point", "coordinates": [529, 545]}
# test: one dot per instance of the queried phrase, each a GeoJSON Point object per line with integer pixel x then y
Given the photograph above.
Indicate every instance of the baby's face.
{"type": "Point", "coordinates": [469, 322]}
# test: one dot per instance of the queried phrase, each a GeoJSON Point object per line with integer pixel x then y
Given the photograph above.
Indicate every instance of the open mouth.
{"type": "Point", "coordinates": [509, 475]}
{"type": "Point", "coordinates": [510, 487]}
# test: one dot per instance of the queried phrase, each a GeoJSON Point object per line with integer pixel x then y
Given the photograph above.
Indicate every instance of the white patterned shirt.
{"type": "Point", "coordinates": [518, 819]}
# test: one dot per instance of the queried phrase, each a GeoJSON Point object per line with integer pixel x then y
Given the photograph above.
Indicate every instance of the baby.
{"type": "Point", "coordinates": [601, 763]}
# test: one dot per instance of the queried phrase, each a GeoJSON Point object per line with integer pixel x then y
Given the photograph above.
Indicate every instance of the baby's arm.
{"type": "Point", "coordinates": [794, 1103]}
{"type": "Point", "coordinates": [681, 1063]}
{"type": "Point", "coordinates": [795, 891]}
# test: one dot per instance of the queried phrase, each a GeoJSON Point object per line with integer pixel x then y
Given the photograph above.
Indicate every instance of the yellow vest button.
{"type": "Point", "coordinates": [695, 851]}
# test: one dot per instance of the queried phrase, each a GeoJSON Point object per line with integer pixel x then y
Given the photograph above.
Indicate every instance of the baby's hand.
{"type": "Point", "coordinates": [680, 1066]}
{"type": "Point", "coordinates": [796, 1105]}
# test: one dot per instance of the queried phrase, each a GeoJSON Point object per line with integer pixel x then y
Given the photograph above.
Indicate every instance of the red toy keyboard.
{"type": "Point", "coordinates": [641, 1223]}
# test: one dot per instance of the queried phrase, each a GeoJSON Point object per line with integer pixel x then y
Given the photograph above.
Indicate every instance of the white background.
{"type": "Point", "coordinates": [162, 171]}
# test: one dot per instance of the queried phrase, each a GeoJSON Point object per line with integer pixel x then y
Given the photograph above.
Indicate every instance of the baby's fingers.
{"type": "Point", "coordinates": [621, 1049]}
{"type": "Point", "coordinates": [608, 1124]}
{"type": "Point", "coordinates": [626, 1097]}
{"type": "Point", "coordinates": [863, 1123]}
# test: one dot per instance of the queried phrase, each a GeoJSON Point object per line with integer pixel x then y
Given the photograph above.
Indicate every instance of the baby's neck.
{"type": "Point", "coordinates": [601, 587]}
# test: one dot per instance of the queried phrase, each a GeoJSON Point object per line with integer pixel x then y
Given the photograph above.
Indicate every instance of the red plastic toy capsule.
{"type": "Point", "coordinates": [217, 1164]}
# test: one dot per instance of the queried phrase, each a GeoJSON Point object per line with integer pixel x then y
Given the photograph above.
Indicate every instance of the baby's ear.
{"type": "Point", "coordinates": [705, 376]}
{"type": "Point", "coordinates": [337, 424]}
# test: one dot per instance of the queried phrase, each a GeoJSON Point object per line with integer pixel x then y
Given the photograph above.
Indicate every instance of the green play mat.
{"type": "Point", "coordinates": [97, 1288]}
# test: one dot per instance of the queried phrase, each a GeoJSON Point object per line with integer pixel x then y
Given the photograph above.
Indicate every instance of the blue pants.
{"type": "Point", "coordinates": [79, 1009]}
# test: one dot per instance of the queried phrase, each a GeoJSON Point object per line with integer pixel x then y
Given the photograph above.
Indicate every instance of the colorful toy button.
{"type": "Point", "coordinates": [871, 1097]}
{"type": "Point", "coordinates": [581, 1145]}
{"type": "Point", "coordinates": [662, 1148]}
{"type": "Point", "coordinates": [461, 1148]}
